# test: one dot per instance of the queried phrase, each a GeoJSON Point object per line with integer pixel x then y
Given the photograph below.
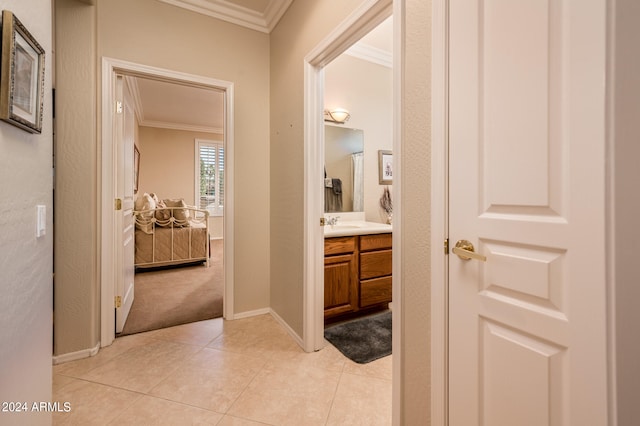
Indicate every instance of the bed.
{"type": "Point", "coordinates": [172, 235]}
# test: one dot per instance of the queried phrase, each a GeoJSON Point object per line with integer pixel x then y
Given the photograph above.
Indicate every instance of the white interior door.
{"type": "Point", "coordinates": [124, 146]}
{"type": "Point", "coordinates": [527, 327]}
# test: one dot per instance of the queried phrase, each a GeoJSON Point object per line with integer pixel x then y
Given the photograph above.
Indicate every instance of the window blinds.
{"type": "Point", "coordinates": [211, 175]}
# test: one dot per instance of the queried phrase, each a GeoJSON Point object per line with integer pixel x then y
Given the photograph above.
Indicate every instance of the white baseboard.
{"type": "Point", "coordinates": [72, 356]}
{"type": "Point", "coordinates": [249, 314]}
{"type": "Point", "coordinates": [86, 353]}
{"type": "Point", "coordinates": [289, 330]}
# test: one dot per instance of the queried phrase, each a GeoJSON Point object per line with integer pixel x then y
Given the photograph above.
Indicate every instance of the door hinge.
{"type": "Point", "coordinates": [118, 301]}
{"type": "Point", "coordinates": [323, 221]}
{"type": "Point", "coordinates": [446, 246]}
{"type": "Point", "coordinates": [118, 204]}
{"type": "Point", "coordinates": [118, 107]}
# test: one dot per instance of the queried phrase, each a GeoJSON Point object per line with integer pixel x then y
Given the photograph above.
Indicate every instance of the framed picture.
{"type": "Point", "coordinates": [385, 167]}
{"type": "Point", "coordinates": [136, 168]}
{"type": "Point", "coordinates": [21, 76]}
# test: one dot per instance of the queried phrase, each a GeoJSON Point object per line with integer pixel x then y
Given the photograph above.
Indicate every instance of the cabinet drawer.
{"type": "Point", "coordinates": [375, 291]}
{"type": "Point", "coordinates": [375, 264]}
{"type": "Point", "coordinates": [375, 242]}
{"type": "Point", "coordinates": [339, 245]}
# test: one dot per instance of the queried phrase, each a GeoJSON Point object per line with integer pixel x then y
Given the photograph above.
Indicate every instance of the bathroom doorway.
{"type": "Point", "coordinates": [355, 27]}
{"type": "Point", "coordinates": [358, 180]}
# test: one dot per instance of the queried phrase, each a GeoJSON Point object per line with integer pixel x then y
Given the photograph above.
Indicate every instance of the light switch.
{"type": "Point", "coordinates": [41, 226]}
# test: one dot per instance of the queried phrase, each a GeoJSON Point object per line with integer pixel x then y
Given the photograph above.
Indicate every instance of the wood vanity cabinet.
{"type": "Point", "coordinates": [357, 274]}
{"type": "Point", "coordinates": [375, 269]}
{"type": "Point", "coordinates": [340, 276]}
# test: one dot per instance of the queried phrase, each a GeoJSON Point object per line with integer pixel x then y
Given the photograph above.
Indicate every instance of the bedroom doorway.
{"type": "Point", "coordinates": [148, 88]}
{"type": "Point", "coordinates": [179, 145]}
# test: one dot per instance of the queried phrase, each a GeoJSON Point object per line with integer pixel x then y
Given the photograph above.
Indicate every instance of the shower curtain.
{"type": "Point", "coordinates": [357, 170]}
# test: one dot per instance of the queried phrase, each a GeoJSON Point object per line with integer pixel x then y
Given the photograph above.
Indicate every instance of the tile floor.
{"type": "Point", "coordinates": [244, 372]}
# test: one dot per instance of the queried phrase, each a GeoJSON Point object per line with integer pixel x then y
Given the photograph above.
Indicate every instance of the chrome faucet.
{"type": "Point", "coordinates": [333, 220]}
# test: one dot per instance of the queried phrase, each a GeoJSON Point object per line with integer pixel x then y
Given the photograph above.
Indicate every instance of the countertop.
{"type": "Point", "coordinates": [348, 228]}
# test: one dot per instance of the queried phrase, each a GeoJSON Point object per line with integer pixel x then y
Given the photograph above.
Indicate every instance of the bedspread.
{"type": "Point", "coordinates": [174, 243]}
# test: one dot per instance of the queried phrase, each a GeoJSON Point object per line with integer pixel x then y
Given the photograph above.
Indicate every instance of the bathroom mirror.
{"type": "Point", "coordinates": [344, 169]}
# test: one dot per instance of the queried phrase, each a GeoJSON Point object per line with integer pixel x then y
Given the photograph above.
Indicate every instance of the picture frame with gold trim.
{"type": "Point", "coordinates": [21, 76]}
{"type": "Point", "coordinates": [385, 167]}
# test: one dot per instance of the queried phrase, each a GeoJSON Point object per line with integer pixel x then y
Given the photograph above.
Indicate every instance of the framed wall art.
{"type": "Point", "coordinates": [385, 167]}
{"type": "Point", "coordinates": [21, 76]}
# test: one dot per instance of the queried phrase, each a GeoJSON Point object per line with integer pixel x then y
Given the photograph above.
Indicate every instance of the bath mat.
{"type": "Point", "coordinates": [364, 339]}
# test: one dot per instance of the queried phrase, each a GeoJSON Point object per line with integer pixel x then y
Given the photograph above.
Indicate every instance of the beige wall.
{"type": "Point", "coordinates": [167, 165]}
{"type": "Point", "coordinates": [76, 264]}
{"type": "Point", "coordinates": [138, 31]}
{"type": "Point", "coordinates": [415, 205]}
{"type": "Point", "coordinates": [304, 25]}
{"type": "Point", "coordinates": [26, 262]}
{"type": "Point", "coordinates": [365, 90]}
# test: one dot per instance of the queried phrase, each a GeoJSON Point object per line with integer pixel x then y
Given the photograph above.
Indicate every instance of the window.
{"type": "Point", "coordinates": [210, 176]}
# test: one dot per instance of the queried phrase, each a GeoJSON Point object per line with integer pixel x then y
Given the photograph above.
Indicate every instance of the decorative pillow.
{"type": "Point", "coordinates": [140, 201]}
{"type": "Point", "coordinates": [181, 214]}
{"type": "Point", "coordinates": [143, 221]}
{"type": "Point", "coordinates": [162, 215]}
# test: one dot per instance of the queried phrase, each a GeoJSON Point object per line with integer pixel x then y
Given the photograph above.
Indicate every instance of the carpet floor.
{"type": "Point", "coordinates": [364, 339]}
{"type": "Point", "coordinates": [173, 296]}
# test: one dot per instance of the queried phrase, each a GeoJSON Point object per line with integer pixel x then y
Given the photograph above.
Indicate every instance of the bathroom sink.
{"type": "Point", "coordinates": [355, 228]}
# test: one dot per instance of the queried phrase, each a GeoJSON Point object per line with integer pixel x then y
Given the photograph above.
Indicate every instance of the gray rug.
{"type": "Point", "coordinates": [364, 339]}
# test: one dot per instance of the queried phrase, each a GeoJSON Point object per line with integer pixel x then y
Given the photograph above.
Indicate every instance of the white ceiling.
{"type": "Point", "coordinates": [173, 106]}
{"type": "Point", "coordinates": [377, 46]}
{"type": "Point", "coordinates": [381, 37]}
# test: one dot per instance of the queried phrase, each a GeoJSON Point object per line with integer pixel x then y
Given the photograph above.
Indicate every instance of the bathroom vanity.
{"type": "Point", "coordinates": [357, 253]}
{"type": "Point", "coordinates": [357, 270]}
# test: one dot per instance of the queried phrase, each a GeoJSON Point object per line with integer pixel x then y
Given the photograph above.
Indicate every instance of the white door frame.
{"type": "Point", "coordinates": [439, 215]}
{"type": "Point", "coordinates": [106, 185]}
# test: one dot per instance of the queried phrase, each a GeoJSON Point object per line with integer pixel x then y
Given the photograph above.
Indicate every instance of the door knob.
{"type": "Point", "coordinates": [465, 251]}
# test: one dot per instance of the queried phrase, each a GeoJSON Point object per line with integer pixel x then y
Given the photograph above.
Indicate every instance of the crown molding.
{"type": "Point", "coordinates": [275, 10]}
{"type": "Point", "coordinates": [236, 14]}
{"type": "Point", "coordinates": [371, 54]}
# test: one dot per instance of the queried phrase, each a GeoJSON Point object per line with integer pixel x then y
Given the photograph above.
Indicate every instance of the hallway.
{"type": "Point", "coordinates": [243, 372]}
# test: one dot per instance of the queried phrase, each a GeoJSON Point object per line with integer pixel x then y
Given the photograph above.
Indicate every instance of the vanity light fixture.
{"type": "Point", "coordinates": [337, 115]}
